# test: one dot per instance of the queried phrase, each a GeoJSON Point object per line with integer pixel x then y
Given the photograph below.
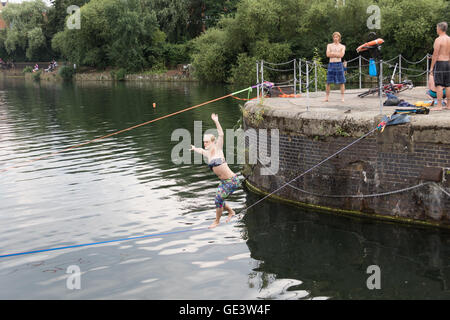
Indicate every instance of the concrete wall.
{"type": "Point", "coordinates": [402, 156]}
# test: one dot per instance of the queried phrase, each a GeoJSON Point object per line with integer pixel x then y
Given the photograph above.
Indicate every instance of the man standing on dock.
{"type": "Point", "coordinates": [440, 64]}
{"type": "Point", "coordinates": [335, 74]}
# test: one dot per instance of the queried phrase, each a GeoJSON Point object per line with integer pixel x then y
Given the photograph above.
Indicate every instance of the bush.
{"type": "Point", "coordinates": [244, 71]}
{"type": "Point", "coordinates": [211, 56]}
{"type": "Point", "coordinates": [27, 69]}
{"type": "Point", "coordinates": [66, 72]}
{"type": "Point", "coordinates": [36, 76]}
{"type": "Point", "coordinates": [176, 54]}
{"type": "Point", "coordinates": [321, 73]}
{"type": "Point", "coordinates": [119, 75]}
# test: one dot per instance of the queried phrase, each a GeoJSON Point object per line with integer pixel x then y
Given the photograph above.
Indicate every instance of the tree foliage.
{"type": "Point", "coordinates": [25, 33]}
{"type": "Point", "coordinates": [223, 39]}
{"type": "Point", "coordinates": [271, 30]}
{"type": "Point", "coordinates": [113, 33]}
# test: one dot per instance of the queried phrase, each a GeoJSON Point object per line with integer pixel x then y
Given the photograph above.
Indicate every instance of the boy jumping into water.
{"type": "Point", "coordinates": [440, 64]}
{"type": "Point", "coordinates": [229, 181]}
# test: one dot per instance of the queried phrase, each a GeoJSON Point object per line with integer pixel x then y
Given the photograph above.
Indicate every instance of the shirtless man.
{"type": "Point", "coordinates": [335, 74]}
{"type": "Point", "coordinates": [440, 64]}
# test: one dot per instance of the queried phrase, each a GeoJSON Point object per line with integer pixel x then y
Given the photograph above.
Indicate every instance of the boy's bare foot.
{"type": "Point", "coordinates": [230, 215]}
{"type": "Point", "coordinates": [214, 224]}
{"type": "Point", "coordinates": [326, 100]}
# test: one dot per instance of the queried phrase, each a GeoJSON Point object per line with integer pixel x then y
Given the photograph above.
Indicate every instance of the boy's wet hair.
{"type": "Point", "coordinates": [210, 137]}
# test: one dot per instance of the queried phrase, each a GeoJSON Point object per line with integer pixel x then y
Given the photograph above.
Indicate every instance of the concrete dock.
{"type": "Point", "coordinates": [414, 156]}
{"type": "Point", "coordinates": [361, 109]}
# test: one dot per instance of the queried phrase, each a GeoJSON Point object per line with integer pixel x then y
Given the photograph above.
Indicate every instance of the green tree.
{"type": "Point", "coordinates": [57, 14]}
{"type": "Point", "coordinates": [211, 56]}
{"type": "Point", "coordinates": [25, 33]}
{"type": "Point", "coordinates": [113, 33]}
{"type": "Point", "coordinates": [407, 32]}
{"type": "Point", "coordinates": [204, 14]}
{"type": "Point", "coordinates": [173, 18]}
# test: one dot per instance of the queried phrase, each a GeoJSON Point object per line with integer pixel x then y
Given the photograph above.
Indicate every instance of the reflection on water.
{"type": "Point", "coordinates": [330, 255]}
{"type": "Point", "coordinates": [126, 185]}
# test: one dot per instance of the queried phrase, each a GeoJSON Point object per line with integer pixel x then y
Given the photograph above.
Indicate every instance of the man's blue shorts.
{"type": "Point", "coordinates": [335, 73]}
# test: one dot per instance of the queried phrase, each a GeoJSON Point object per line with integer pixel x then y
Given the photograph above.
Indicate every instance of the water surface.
{"type": "Point", "coordinates": [126, 185]}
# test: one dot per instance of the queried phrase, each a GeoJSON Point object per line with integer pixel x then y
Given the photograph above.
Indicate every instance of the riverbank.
{"type": "Point", "coordinates": [107, 75]}
{"type": "Point", "coordinates": [368, 177]}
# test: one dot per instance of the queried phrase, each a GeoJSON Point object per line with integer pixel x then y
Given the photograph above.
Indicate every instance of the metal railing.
{"type": "Point", "coordinates": [302, 70]}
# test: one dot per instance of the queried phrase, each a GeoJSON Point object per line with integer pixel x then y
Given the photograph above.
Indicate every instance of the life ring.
{"type": "Point", "coordinates": [370, 44]}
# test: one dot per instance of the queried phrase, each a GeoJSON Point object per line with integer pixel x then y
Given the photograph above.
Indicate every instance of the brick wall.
{"type": "Point", "coordinates": [382, 162]}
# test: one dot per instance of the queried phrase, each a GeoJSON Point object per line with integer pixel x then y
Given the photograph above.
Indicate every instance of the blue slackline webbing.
{"type": "Point", "coordinates": [100, 242]}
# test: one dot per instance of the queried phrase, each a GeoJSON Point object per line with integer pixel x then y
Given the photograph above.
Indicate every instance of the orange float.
{"type": "Point", "coordinates": [369, 45]}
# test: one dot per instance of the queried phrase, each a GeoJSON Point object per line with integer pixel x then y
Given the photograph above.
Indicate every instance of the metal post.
{"type": "Point", "coordinates": [360, 74]}
{"type": "Point", "coordinates": [307, 86]}
{"type": "Point", "coordinates": [262, 78]}
{"type": "Point", "coordinates": [380, 87]}
{"type": "Point", "coordinates": [257, 80]}
{"type": "Point", "coordinates": [295, 76]}
{"type": "Point", "coordinates": [400, 68]}
{"type": "Point", "coordinates": [428, 67]}
{"type": "Point", "coordinates": [315, 74]}
{"type": "Point", "coordinates": [300, 74]}
{"type": "Point", "coordinates": [262, 71]}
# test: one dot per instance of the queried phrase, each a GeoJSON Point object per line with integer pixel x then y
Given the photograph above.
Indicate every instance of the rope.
{"type": "Point", "coordinates": [353, 59]}
{"type": "Point", "coordinates": [373, 195]}
{"type": "Point", "coordinates": [391, 59]}
{"type": "Point", "coordinates": [278, 64]}
{"type": "Point", "coordinates": [442, 189]}
{"type": "Point", "coordinates": [289, 81]}
{"type": "Point", "coordinates": [118, 132]}
{"type": "Point", "coordinates": [363, 195]}
{"type": "Point", "coordinates": [281, 70]}
{"type": "Point", "coordinates": [417, 62]}
{"type": "Point", "coordinates": [285, 95]}
{"type": "Point", "coordinates": [309, 170]}
{"type": "Point", "coordinates": [100, 242]}
{"type": "Point", "coordinates": [243, 99]}
{"type": "Point", "coordinates": [417, 75]}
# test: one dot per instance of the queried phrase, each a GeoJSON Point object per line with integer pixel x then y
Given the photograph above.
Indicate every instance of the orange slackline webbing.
{"type": "Point", "coordinates": [244, 98]}
{"type": "Point", "coordinates": [114, 133]}
{"type": "Point", "coordinates": [284, 95]}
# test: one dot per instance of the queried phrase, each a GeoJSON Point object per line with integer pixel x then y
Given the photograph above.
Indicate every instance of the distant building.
{"type": "Point", "coordinates": [3, 4]}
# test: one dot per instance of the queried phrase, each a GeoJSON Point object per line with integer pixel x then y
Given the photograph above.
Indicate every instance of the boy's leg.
{"type": "Point", "coordinates": [327, 92]}
{"type": "Point", "coordinates": [342, 91]}
{"type": "Point", "coordinates": [219, 202]}
{"type": "Point", "coordinates": [440, 94]}
{"type": "Point", "coordinates": [448, 97]}
{"type": "Point", "coordinates": [230, 212]}
{"type": "Point", "coordinates": [218, 215]}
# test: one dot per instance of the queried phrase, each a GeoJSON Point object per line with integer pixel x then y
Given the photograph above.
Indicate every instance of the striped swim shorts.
{"type": "Point", "coordinates": [335, 73]}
